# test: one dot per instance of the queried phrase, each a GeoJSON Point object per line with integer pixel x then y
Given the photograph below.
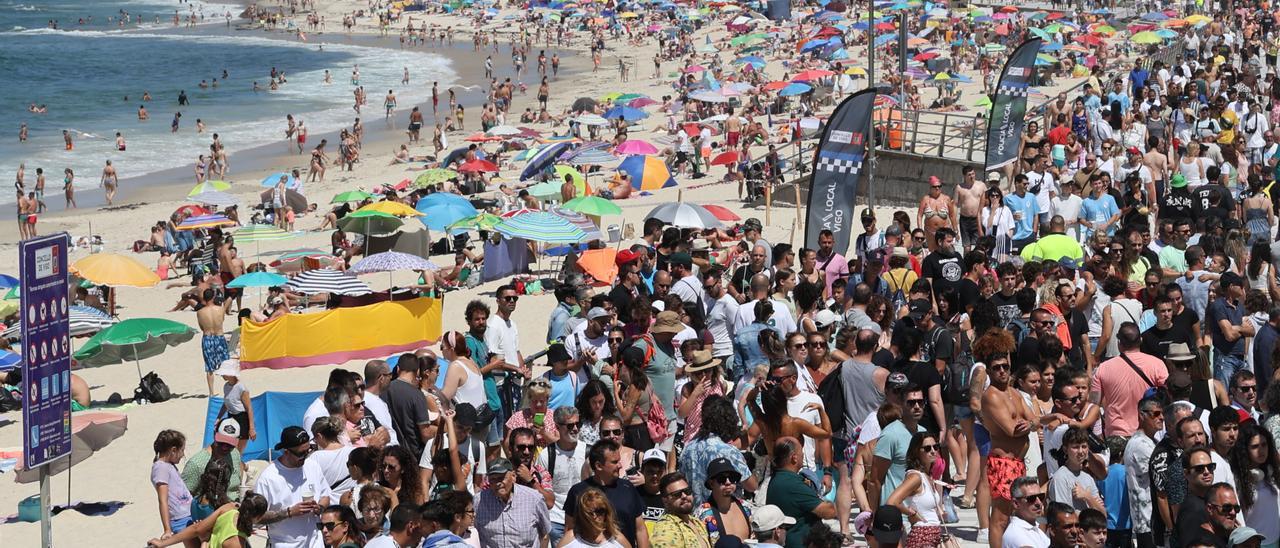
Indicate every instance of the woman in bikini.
{"type": "Point", "coordinates": [937, 210]}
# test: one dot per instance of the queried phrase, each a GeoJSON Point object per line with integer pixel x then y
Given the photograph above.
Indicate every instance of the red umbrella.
{"type": "Point", "coordinates": [1056, 15]}
{"type": "Point", "coordinates": [774, 86]}
{"type": "Point", "coordinates": [1089, 39]}
{"type": "Point", "coordinates": [837, 6]}
{"type": "Point", "coordinates": [1009, 9]}
{"type": "Point", "coordinates": [925, 56]}
{"type": "Point", "coordinates": [725, 158]}
{"type": "Point", "coordinates": [478, 166]}
{"type": "Point", "coordinates": [885, 26]}
{"type": "Point", "coordinates": [1002, 30]}
{"type": "Point", "coordinates": [192, 210]}
{"type": "Point", "coordinates": [400, 185]}
{"type": "Point", "coordinates": [812, 75]}
{"type": "Point", "coordinates": [722, 213]}
{"type": "Point", "coordinates": [827, 32]}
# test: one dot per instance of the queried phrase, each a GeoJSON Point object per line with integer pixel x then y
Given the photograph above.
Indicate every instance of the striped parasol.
{"type": "Point", "coordinates": [205, 221]}
{"type": "Point", "coordinates": [84, 320]}
{"type": "Point", "coordinates": [593, 156]}
{"type": "Point", "coordinates": [261, 233]}
{"type": "Point", "coordinates": [326, 280]}
{"type": "Point", "coordinates": [543, 160]}
{"type": "Point", "coordinates": [216, 198]}
{"type": "Point", "coordinates": [541, 226]}
{"type": "Point", "coordinates": [581, 221]}
{"type": "Point", "coordinates": [391, 261]}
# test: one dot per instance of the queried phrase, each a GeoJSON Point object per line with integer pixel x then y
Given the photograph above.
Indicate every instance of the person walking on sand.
{"type": "Point", "coordinates": [318, 161]}
{"type": "Point", "coordinates": [110, 181]}
{"type": "Point", "coordinates": [68, 186]}
{"type": "Point", "coordinates": [302, 135]}
{"type": "Point", "coordinates": [290, 130]}
{"type": "Point", "coordinates": [213, 345]}
{"type": "Point", "coordinates": [22, 215]}
{"type": "Point", "coordinates": [278, 202]}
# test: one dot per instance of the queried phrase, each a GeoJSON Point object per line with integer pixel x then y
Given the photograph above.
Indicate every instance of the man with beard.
{"type": "Point", "coordinates": [944, 266]}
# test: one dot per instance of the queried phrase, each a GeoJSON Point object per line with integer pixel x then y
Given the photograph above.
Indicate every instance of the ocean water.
{"type": "Point", "coordinates": [92, 77]}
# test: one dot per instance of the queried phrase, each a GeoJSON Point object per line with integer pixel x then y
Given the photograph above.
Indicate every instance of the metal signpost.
{"type": "Point", "coordinates": [46, 361]}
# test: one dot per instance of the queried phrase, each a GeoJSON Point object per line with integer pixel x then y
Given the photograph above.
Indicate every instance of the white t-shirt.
{"type": "Point", "coordinates": [231, 394]}
{"type": "Point", "coordinates": [283, 488]}
{"type": "Point", "coordinates": [781, 318]}
{"type": "Point", "coordinates": [315, 411]}
{"type": "Point", "coordinates": [720, 323]}
{"type": "Point", "coordinates": [1047, 185]}
{"type": "Point", "coordinates": [333, 462]}
{"type": "Point", "coordinates": [578, 340]}
{"type": "Point", "coordinates": [567, 473]}
{"type": "Point", "coordinates": [503, 338]}
{"type": "Point", "coordinates": [375, 405]}
{"type": "Point", "coordinates": [1019, 534]}
{"type": "Point", "coordinates": [1068, 207]}
{"type": "Point", "coordinates": [795, 408]}
{"type": "Point", "coordinates": [381, 541]}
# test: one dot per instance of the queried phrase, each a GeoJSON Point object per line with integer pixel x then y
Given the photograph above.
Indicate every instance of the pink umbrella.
{"type": "Point", "coordinates": [641, 102]}
{"type": "Point", "coordinates": [695, 68]}
{"type": "Point", "coordinates": [634, 146]}
{"type": "Point", "coordinates": [653, 28]}
{"type": "Point", "coordinates": [90, 431]}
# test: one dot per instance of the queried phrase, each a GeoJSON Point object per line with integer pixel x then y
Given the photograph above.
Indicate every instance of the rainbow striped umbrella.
{"type": "Point", "coordinates": [541, 226]}
{"type": "Point", "coordinates": [205, 221]}
{"type": "Point", "coordinates": [647, 172]}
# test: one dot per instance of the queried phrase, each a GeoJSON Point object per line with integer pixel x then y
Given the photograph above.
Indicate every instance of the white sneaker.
{"type": "Point", "coordinates": [982, 536]}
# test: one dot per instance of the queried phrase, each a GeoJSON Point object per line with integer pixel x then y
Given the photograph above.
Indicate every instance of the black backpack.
{"type": "Point", "coordinates": [956, 375]}
{"type": "Point", "coordinates": [831, 390]}
{"type": "Point", "coordinates": [152, 389]}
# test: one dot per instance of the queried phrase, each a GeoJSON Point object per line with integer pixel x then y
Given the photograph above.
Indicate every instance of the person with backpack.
{"type": "Point", "coordinates": [900, 277]}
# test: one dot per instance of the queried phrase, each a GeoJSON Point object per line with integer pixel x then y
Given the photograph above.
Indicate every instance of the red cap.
{"type": "Point", "coordinates": [1134, 150]}
{"type": "Point", "coordinates": [626, 256]}
{"type": "Point", "coordinates": [934, 180]}
{"type": "Point", "coordinates": [1244, 415]}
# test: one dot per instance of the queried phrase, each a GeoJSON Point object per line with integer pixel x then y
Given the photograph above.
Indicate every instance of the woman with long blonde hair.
{"type": "Point", "coordinates": [594, 525]}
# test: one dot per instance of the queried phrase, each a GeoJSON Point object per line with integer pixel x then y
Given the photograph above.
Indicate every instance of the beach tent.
{"type": "Point", "coordinates": [272, 412]}
{"type": "Point", "coordinates": [412, 238]}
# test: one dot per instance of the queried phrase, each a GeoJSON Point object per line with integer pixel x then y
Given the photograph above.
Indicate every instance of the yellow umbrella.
{"type": "Point", "coordinates": [112, 269]}
{"type": "Point", "coordinates": [629, 15]}
{"type": "Point", "coordinates": [1197, 19]}
{"type": "Point", "coordinates": [392, 208]}
{"type": "Point", "coordinates": [855, 71]}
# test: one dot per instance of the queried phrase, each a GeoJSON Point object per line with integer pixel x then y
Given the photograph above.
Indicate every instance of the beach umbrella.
{"type": "Point", "coordinates": [205, 221]}
{"type": "Point", "coordinates": [684, 215]}
{"type": "Point", "coordinates": [191, 210]}
{"type": "Point", "coordinates": [575, 176]}
{"type": "Point", "coordinates": [1040, 33]}
{"type": "Point", "coordinates": [708, 96]}
{"type": "Point", "coordinates": [457, 155]}
{"type": "Point", "coordinates": [82, 320]}
{"type": "Point", "coordinates": [325, 280]}
{"type": "Point", "coordinates": [594, 156]}
{"type": "Point", "coordinates": [7, 281]}
{"type": "Point", "coordinates": [584, 104]}
{"type": "Point", "coordinates": [600, 264]}
{"type": "Point", "coordinates": [296, 260]}
{"type": "Point", "coordinates": [1166, 34]}
{"type": "Point", "coordinates": [641, 102]}
{"type": "Point", "coordinates": [292, 198]}
{"type": "Point", "coordinates": [370, 223]}
{"type": "Point", "coordinates": [483, 221]}
{"type": "Point", "coordinates": [754, 61]}
{"type": "Point", "coordinates": [504, 131]}
{"type": "Point", "coordinates": [114, 270]}
{"type": "Point", "coordinates": [591, 120]}
{"type": "Point", "coordinates": [726, 158]}
{"type": "Point", "coordinates": [722, 213]}
{"type": "Point", "coordinates": [1154, 16]}
{"type": "Point", "coordinates": [9, 360]}
{"type": "Point", "coordinates": [1145, 37]}
{"type": "Point", "coordinates": [795, 88]}
{"type": "Point", "coordinates": [261, 233]}
{"type": "Point", "coordinates": [546, 190]}
{"type": "Point", "coordinates": [207, 186]}
{"type": "Point", "coordinates": [439, 214]}
{"type": "Point", "coordinates": [257, 279]}
{"type": "Point", "coordinates": [626, 113]}
{"type": "Point", "coordinates": [440, 197]}
{"type": "Point", "coordinates": [543, 160]}
{"type": "Point", "coordinates": [810, 75]}
{"type": "Point", "coordinates": [592, 205]}
{"type": "Point", "coordinates": [478, 166]}
{"type": "Point", "coordinates": [90, 431]}
{"type": "Point", "coordinates": [541, 226]}
{"type": "Point", "coordinates": [635, 146]}
{"type": "Point", "coordinates": [647, 172]}
{"type": "Point", "coordinates": [391, 208]}
{"type": "Point", "coordinates": [391, 261]}
{"type": "Point", "coordinates": [351, 196]}
{"type": "Point", "coordinates": [134, 339]}
{"type": "Point", "coordinates": [215, 198]}
{"type": "Point", "coordinates": [270, 180]}
{"type": "Point", "coordinates": [1198, 19]}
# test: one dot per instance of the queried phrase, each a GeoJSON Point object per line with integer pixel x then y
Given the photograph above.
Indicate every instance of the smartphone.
{"type": "Point", "coordinates": [539, 418]}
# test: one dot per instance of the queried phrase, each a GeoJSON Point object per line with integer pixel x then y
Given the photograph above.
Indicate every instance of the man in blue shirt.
{"type": "Point", "coordinates": [1138, 79]}
{"type": "Point", "coordinates": [558, 326]}
{"type": "Point", "coordinates": [1117, 95]}
{"type": "Point", "coordinates": [1224, 317]}
{"type": "Point", "coordinates": [1026, 209]}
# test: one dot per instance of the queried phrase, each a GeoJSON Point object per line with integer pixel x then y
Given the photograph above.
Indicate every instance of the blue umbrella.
{"type": "Point", "coordinates": [271, 180]}
{"type": "Point", "coordinates": [753, 60]}
{"type": "Point", "coordinates": [258, 279]}
{"type": "Point", "coordinates": [9, 360]}
{"type": "Point", "coordinates": [456, 156]}
{"type": "Point", "coordinates": [885, 39]}
{"type": "Point", "coordinates": [441, 214]}
{"type": "Point", "coordinates": [1051, 46]}
{"type": "Point", "coordinates": [794, 88]}
{"type": "Point", "coordinates": [437, 198]}
{"type": "Point", "coordinates": [1155, 16]}
{"type": "Point", "coordinates": [7, 281]}
{"type": "Point", "coordinates": [626, 113]}
{"type": "Point", "coordinates": [544, 159]}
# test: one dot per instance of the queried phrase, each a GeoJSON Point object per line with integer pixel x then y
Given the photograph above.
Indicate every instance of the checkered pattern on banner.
{"type": "Point", "coordinates": [1014, 89]}
{"type": "Point", "coordinates": [837, 162]}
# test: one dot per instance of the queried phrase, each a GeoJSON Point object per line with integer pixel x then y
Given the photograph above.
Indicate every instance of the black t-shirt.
{"type": "Point", "coordinates": [970, 294]}
{"type": "Point", "coordinates": [1156, 341]}
{"type": "Point", "coordinates": [1192, 515]}
{"type": "Point", "coordinates": [944, 270]}
{"type": "Point", "coordinates": [1177, 204]}
{"type": "Point", "coordinates": [1203, 204]}
{"type": "Point", "coordinates": [742, 278]}
{"type": "Point", "coordinates": [1133, 201]}
{"type": "Point", "coordinates": [1028, 352]}
{"type": "Point", "coordinates": [654, 509]}
{"type": "Point", "coordinates": [939, 344]}
{"type": "Point", "coordinates": [1187, 319]}
{"type": "Point", "coordinates": [1008, 307]}
{"type": "Point", "coordinates": [1078, 327]}
{"type": "Point", "coordinates": [883, 358]}
{"type": "Point", "coordinates": [625, 499]}
{"type": "Point", "coordinates": [621, 298]}
{"type": "Point", "coordinates": [925, 376]}
{"type": "Point", "coordinates": [408, 409]}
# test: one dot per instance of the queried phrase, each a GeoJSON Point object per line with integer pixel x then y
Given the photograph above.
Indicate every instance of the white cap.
{"type": "Point", "coordinates": [654, 454]}
{"type": "Point", "coordinates": [228, 432]}
{"type": "Point", "coordinates": [825, 318]}
{"type": "Point", "coordinates": [768, 518]}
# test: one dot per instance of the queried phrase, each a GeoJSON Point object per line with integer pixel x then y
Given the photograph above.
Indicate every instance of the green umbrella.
{"type": "Point", "coordinates": [546, 190]}
{"type": "Point", "coordinates": [592, 205]}
{"type": "Point", "coordinates": [351, 196]}
{"type": "Point", "coordinates": [133, 340]}
{"type": "Point", "coordinates": [749, 38]}
{"type": "Point", "coordinates": [483, 221]}
{"type": "Point", "coordinates": [433, 176]}
{"type": "Point", "coordinates": [370, 222]}
{"type": "Point", "coordinates": [260, 233]}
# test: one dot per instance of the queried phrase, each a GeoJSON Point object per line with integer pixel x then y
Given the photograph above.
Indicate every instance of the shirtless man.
{"type": "Point", "coordinates": [1159, 164]}
{"type": "Point", "coordinates": [212, 344]}
{"type": "Point", "coordinates": [22, 215]}
{"type": "Point", "coordinates": [19, 181]}
{"type": "Point", "coordinates": [969, 200]}
{"type": "Point", "coordinates": [1006, 417]}
{"type": "Point", "coordinates": [937, 210]}
{"type": "Point", "coordinates": [40, 207]}
{"type": "Point", "coordinates": [120, 144]}
{"type": "Point", "coordinates": [232, 268]}
{"type": "Point", "coordinates": [733, 130]}
{"type": "Point", "coordinates": [142, 113]}
{"type": "Point", "coordinates": [110, 181]}
{"type": "Point", "coordinates": [66, 139]}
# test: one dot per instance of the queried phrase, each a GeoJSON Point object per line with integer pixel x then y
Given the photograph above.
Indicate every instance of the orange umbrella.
{"type": "Point", "coordinates": [725, 158]}
{"type": "Point", "coordinates": [600, 265]}
{"type": "Point", "coordinates": [774, 86]}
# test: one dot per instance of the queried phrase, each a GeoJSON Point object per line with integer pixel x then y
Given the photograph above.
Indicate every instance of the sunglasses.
{"type": "Point", "coordinates": [799, 346]}
{"type": "Point", "coordinates": [724, 479]}
{"type": "Point", "coordinates": [511, 298]}
{"type": "Point", "coordinates": [611, 432]}
{"type": "Point", "coordinates": [817, 344]}
{"type": "Point", "coordinates": [572, 425]}
{"type": "Point", "coordinates": [1203, 468]}
{"type": "Point", "coordinates": [1229, 509]}
{"type": "Point", "coordinates": [327, 525]}
{"type": "Point", "coordinates": [999, 367]}
{"type": "Point", "coordinates": [681, 493]}
{"type": "Point", "coordinates": [915, 403]}
{"type": "Point", "coordinates": [617, 340]}
{"type": "Point", "coordinates": [930, 448]}
{"type": "Point", "coordinates": [780, 379]}
{"type": "Point", "coordinates": [1073, 399]}
{"type": "Point", "coordinates": [1247, 388]}
{"type": "Point", "coordinates": [1032, 499]}
{"type": "Point", "coordinates": [529, 447]}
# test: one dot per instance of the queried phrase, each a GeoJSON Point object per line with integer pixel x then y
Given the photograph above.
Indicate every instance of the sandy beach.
{"type": "Point", "coordinates": [120, 471]}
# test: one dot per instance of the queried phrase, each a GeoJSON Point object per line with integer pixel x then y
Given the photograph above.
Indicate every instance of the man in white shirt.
{"type": "Point", "coordinates": [337, 378]}
{"type": "Point", "coordinates": [746, 314]}
{"type": "Point", "coordinates": [1137, 465]}
{"type": "Point", "coordinates": [502, 335]}
{"type": "Point", "coordinates": [296, 493]}
{"type": "Point", "coordinates": [1068, 206]}
{"type": "Point", "coordinates": [564, 461]}
{"type": "Point", "coordinates": [1136, 165]}
{"type": "Point", "coordinates": [1255, 126]}
{"type": "Point", "coordinates": [377, 375]}
{"type": "Point", "coordinates": [720, 308]}
{"type": "Point", "coordinates": [1040, 182]}
{"type": "Point", "coordinates": [1028, 506]}
{"type": "Point", "coordinates": [588, 343]}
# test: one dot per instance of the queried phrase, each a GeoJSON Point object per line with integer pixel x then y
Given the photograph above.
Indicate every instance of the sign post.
{"type": "Point", "coordinates": [46, 361]}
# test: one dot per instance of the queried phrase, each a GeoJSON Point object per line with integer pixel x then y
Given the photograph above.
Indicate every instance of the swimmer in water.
{"type": "Point", "coordinates": [22, 133]}
{"type": "Point", "coordinates": [66, 138]}
{"type": "Point", "coordinates": [120, 142]}
{"type": "Point", "coordinates": [142, 113]}
{"type": "Point", "coordinates": [328, 79]}
{"type": "Point", "coordinates": [146, 96]}
{"type": "Point", "coordinates": [173, 126]}
{"type": "Point", "coordinates": [199, 125]}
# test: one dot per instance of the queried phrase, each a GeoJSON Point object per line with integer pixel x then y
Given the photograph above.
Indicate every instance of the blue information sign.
{"type": "Point", "coordinates": [46, 350]}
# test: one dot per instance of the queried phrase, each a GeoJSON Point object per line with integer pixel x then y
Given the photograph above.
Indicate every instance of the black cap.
{"type": "Point", "coordinates": [886, 525]}
{"type": "Point", "coordinates": [682, 259]}
{"type": "Point", "coordinates": [720, 467]}
{"type": "Point", "coordinates": [919, 308]}
{"type": "Point", "coordinates": [465, 415]}
{"type": "Point", "coordinates": [293, 436]}
{"type": "Point", "coordinates": [557, 353]}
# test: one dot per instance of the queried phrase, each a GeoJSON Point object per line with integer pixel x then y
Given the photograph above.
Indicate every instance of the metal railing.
{"type": "Point", "coordinates": [955, 135]}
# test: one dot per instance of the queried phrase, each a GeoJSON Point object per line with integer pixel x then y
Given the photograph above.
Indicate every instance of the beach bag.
{"type": "Point", "coordinates": [1018, 328]}
{"type": "Point", "coordinates": [656, 419]}
{"type": "Point", "coordinates": [151, 388]}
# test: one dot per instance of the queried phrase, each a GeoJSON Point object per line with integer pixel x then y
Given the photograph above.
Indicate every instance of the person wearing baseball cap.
{"type": "Point", "coordinates": [296, 491]}
{"type": "Point", "coordinates": [628, 287]}
{"type": "Point", "coordinates": [751, 229]}
{"type": "Point", "coordinates": [226, 437]}
{"type": "Point", "coordinates": [769, 525]}
{"type": "Point", "coordinates": [236, 401]}
{"type": "Point", "coordinates": [1225, 317]}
